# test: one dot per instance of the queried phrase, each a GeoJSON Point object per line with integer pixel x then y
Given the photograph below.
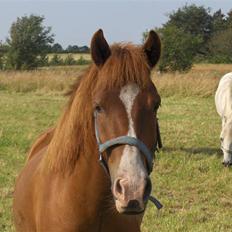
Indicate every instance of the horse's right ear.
{"type": "Point", "coordinates": [100, 50]}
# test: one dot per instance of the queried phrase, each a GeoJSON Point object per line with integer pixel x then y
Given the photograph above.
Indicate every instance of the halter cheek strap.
{"type": "Point", "coordinates": [128, 140]}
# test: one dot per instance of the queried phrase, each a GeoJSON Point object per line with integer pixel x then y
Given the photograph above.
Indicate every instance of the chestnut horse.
{"type": "Point", "coordinates": [111, 113]}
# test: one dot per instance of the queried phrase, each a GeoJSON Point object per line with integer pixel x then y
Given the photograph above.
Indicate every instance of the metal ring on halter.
{"type": "Point", "coordinates": [128, 140]}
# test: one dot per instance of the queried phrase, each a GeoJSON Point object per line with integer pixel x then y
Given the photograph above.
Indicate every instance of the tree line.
{"type": "Point", "coordinates": [194, 34]}
{"type": "Point", "coordinates": [57, 48]}
{"type": "Point", "coordinates": [30, 42]}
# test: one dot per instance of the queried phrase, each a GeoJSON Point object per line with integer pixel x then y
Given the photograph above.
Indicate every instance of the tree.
{"type": "Point", "coordinates": [192, 33]}
{"type": "Point", "coordinates": [84, 49]}
{"type": "Point", "coordinates": [221, 47]}
{"type": "Point", "coordinates": [178, 49]}
{"type": "Point", "coordinates": [229, 19]}
{"type": "Point", "coordinates": [56, 48]}
{"type": "Point", "coordinates": [69, 49]}
{"type": "Point", "coordinates": [29, 41]}
{"type": "Point", "coordinates": [218, 21]}
{"type": "Point", "coordinates": [1, 56]}
{"type": "Point", "coordinates": [75, 49]}
{"type": "Point", "coordinates": [196, 21]}
{"type": "Point", "coordinates": [72, 49]}
{"type": "Point", "coordinates": [3, 50]}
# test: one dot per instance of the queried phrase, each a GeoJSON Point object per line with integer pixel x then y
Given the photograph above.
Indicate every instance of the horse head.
{"type": "Point", "coordinates": [125, 103]}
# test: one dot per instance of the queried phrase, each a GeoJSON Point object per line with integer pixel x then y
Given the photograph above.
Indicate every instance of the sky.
{"type": "Point", "coordinates": [74, 22]}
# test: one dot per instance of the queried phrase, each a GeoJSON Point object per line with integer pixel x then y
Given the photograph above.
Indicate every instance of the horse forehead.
{"type": "Point", "coordinates": [127, 94]}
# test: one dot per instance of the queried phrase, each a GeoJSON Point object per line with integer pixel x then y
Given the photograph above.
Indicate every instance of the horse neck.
{"type": "Point", "coordinates": [91, 180]}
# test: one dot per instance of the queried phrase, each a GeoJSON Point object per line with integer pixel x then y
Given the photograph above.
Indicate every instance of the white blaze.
{"type": "Point", "coordinates": [131, 161]}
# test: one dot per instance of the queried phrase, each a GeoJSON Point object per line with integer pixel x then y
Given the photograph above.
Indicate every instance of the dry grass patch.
{"type": "Point", "coordinates": [216, 68]}
{"type": "Point", "coordinates": [44, 80]}
{"type": "Point", "coordinates": [187, 84]}
{"type": "Point", "coordinates": [201, 81]}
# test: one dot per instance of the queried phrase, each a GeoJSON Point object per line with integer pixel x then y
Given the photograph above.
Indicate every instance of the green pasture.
{"type": "Point", "coordinates": [188, 177]}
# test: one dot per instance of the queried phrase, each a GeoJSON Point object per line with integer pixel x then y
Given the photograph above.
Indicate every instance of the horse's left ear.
{"type": "Point", "coordinates": [100, 50]}
{"type": "Point", "coordinates": [152, 48]}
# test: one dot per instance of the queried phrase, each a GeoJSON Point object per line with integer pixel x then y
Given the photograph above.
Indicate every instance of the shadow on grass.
{"type": "Point", "coordinates": [194, 150]}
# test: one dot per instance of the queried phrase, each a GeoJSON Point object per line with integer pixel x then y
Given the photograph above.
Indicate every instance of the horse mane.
{"type": "Point", "coordinates": [74, 133]}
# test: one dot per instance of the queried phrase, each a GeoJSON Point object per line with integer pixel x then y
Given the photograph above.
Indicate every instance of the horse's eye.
{"type": "Point", "coordinates": [98, 109]}
{"type": "Point", "coordinates": [221, 139]}
{"type": "Point", "coordinates": [156, 107]}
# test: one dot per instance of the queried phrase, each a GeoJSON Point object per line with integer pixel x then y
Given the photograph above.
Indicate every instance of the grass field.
{"type": "Point", "coordinates": [188, 178]}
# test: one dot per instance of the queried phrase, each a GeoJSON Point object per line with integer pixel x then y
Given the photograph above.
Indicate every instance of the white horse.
{"type": "Point", "coordinates": [223, 101]}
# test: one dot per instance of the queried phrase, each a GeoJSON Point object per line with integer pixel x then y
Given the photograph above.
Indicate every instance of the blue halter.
{"type": "Point", "coordinates": [129, 141]}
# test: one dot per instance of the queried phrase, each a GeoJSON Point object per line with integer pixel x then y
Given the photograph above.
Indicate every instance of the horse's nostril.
{"type": "Point", "coordinates": [133, 204]}
{"type": "Point", "coordinates": [147, 190]}
{"type": "Point", "coordinates": [226, 164]}
{"type": "Point", "coordinates": [118, 187]}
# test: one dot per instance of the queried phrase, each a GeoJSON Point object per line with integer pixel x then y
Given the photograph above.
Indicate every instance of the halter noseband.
{"type": "Point", "coordinates": [132, 141]}
{"type": "Point", "coordinates": [228, 151]}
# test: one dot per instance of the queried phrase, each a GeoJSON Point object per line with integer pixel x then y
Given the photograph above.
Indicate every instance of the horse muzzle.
{"type": "Point", "coordinates": [227, 163]}
{"type": "Point", "coordinates": [130, 196]}
{"type": "Point", "coordinates": [227, 159]}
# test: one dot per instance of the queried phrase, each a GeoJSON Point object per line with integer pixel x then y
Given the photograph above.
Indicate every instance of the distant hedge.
{"type": "Point", "coordinates": [56, 60]}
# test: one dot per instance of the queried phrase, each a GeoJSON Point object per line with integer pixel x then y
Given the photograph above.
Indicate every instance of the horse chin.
{"type": "Point", "coordinates": [133, 212]}
{"type": "Point", "coordinates": [128, 210]}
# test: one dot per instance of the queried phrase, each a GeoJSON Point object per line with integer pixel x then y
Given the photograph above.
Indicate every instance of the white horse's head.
{"type": "Point", "coordinates": [226, 140]}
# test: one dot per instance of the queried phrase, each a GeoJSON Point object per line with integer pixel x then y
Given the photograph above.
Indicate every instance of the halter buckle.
{"type": "Point", "coordinates": [103, 164]}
